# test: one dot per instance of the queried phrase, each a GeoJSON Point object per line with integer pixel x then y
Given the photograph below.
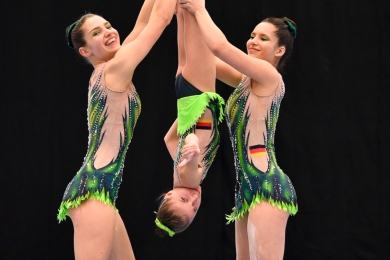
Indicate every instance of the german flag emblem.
{"type": "Point", "coordinates": [257, 150]}
{"type": "Point", "coordinates": [204, 124]}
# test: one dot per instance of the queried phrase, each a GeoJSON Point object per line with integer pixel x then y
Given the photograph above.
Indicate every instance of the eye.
{"type": "Point", "coordinates": [94, 33]}
{"type": "Point", "coordinates": [265, 38]}
{"type": "Point", "coordinates": [184, 199]}
{"type": "Point", "coordinates": [108, 26]}
{"type": "Point", "coordinates": [252, 36]}
{"type": "Point", "coordinates": [195, 208]}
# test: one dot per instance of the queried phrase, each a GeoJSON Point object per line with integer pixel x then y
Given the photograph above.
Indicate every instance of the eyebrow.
{"type": "Point", "coordinates": [97, 27]}
{"type": "Point", "coordinates": [261, 34]}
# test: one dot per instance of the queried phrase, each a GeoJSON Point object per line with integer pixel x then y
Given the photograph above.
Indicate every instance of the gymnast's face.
{"type": "Point", "coordinates": [101, 38]}
{"type": "Point", "coordinates": [185, 201]}
{"type": "Point", "coordinates": [264, 44]}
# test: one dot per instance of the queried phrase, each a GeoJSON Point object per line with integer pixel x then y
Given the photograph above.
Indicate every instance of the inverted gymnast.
{"type": "Point", "coordinates": [193, 139]}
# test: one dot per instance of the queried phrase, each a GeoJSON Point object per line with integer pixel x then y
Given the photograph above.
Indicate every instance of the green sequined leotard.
{"type": "Point", "coordinates": [198, 111]}
{"type": "Point", "coordinates": [111, 120]}
{"type": "Point", "coordinates": [252, 123]}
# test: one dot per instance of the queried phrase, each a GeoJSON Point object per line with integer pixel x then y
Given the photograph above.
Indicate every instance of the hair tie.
{"type": "Point", "coordinates": [69, 32]}
{"type": "Point", "coordinates": [291, 28]}
{"type": "Point", "coordinates": [163, 227]}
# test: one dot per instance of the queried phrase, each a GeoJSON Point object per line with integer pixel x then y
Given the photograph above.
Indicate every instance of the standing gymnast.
{"type": "Point", "coordinates": [193, 139]}
{"type": "Point", "coordinates": [264, 195]}
{"type": "Point", "coordinates": [113, 109]}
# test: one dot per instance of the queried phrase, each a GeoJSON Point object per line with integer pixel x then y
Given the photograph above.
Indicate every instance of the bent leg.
{"type": "Point", "coordinates": [242, 246]}
{"type": "Point", "coordinates": [266, 232]}
{"type": "Point", "coordinates": [121, 248]}
{"type": "Point", "coordinates": [94, 224]}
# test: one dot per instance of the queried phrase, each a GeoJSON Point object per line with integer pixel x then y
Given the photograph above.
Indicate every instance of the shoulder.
{"type": "Point", "coordinates": [97, 74]}
{"type": "Point", "coordinates": [267, 85]}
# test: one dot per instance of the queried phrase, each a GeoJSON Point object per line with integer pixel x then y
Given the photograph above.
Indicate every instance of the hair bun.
{"type": "Point", "coordinates": [292, 27]}
{"type": "Point", "coordinates": [160, 232]}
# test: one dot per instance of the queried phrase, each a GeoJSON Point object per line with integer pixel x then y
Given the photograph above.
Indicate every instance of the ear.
{"type": "Point", "coordinates": [84, 52]}
{"type": "Point", "coordinates": [169, 194]}
{"type": "Point", "coordinates": [280, 51]}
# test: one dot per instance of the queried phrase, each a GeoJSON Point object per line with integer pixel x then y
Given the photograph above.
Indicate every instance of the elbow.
{"type": "Point", "coordinates": [164, 18]}
{"type": "Point", "coordinates": [170, 139]}
{"type": "Point", "coordinates": [166, 139]}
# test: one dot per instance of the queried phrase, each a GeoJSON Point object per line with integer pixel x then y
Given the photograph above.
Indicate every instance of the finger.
{"type": "Point", "coordinates": [188, 148]}
{"type": "Point", "coordinates": [187, 155]}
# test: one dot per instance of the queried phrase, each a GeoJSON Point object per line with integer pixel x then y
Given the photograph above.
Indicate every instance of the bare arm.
{"type": "Point", "coordinates": [190, 172]}
{"type": "Point", "coordinates": [142, 21]}
{"type": "Point", "coordinates": [260, 70]}
{"type": "Point", "coordinates": [227, 74]}
{"type": "Point", "coordinates": [120, 69]}
{"type": "Point", "coordinates": [171, 140]}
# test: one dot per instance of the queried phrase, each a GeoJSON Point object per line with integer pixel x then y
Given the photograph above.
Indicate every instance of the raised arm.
{"type": "Point", "coordinates": [257, 69]}
{"type": "Point", "coordinates": [120, 69]}
{"type": "Point", "coordinates": [142, 21]}
{"type": "Point", "coordinates": [227, 74]}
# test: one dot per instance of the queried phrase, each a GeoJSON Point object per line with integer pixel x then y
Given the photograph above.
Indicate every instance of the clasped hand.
{"type": "Point", "coordinates": [189, 152]}
{"type": "Point", "coordinates": [192, 5]}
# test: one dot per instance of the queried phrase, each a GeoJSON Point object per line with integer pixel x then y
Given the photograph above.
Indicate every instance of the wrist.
{"type": "Point", "coordinates": [201, 11]}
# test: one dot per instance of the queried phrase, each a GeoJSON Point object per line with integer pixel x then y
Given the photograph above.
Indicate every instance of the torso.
{"type": "Point", "coordinates": [252, 123]}
{"type": "Point", "coordinates": [111, 121]}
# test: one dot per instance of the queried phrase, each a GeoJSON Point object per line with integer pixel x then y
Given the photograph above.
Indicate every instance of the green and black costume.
{"type": "Point", "coordinates": [111, 120]}
{"type": "Point", "coordinates": [252, 121]}
{"type": "Point", "coordinates": [191, 104]}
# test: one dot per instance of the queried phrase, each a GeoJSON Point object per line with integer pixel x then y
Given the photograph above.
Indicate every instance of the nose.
{"type": "Point", "coordinates": [252, 42]}
{"type": "Point", "coordinates": [107, 32]}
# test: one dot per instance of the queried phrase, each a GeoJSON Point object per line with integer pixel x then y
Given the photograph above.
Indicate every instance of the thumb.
{"type": "Point", "coordinates": [182, 163]}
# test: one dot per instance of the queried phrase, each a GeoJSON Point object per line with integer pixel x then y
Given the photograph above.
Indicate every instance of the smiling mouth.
{"type": "Point", "coordinates": [110, 41]}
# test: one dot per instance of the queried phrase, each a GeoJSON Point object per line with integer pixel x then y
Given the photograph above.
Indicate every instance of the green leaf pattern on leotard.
{"type": "Point", "coordinates": [215, 106]}
{"type": "Point", "coordinates": [101, 184]}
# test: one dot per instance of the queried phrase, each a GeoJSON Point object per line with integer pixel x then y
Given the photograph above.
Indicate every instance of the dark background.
{"type": "Point", "coordinates": [332, 137]}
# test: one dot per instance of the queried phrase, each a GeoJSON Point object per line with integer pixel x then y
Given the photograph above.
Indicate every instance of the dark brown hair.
{"type": "Point", "coordinates": [76, 37]}
{"type": "Point", "coordinates": [285, 37]}
{"type": "Point", "coordinates": [166, 215]}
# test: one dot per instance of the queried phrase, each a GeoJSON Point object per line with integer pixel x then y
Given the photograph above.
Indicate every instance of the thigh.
{"type": "Point", "coordinates": [121, 248]}
{"type": "Point", "coordinates": [242, 247]}
{"type": "Point", "coordinates": [266, 231]}
{"type": "Point", "coordinates": [93, 223]}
